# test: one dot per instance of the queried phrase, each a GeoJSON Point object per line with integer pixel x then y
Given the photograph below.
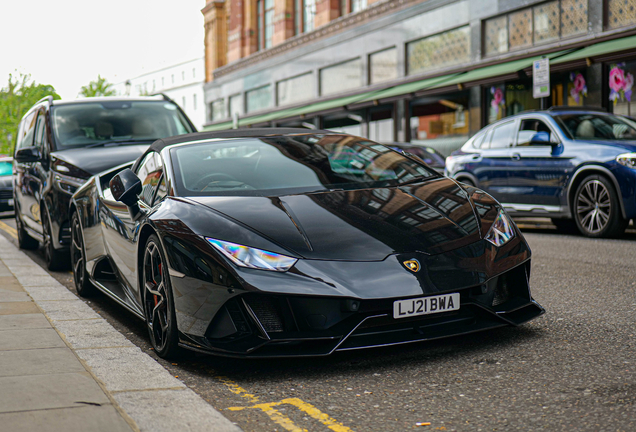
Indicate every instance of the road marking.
{"type": "Point", "coordinates": [9, 230]}
{"type": "Point", "coordinates": [279, 418]}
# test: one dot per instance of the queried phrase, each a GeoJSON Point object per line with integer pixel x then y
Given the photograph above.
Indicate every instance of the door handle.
{"type": "Point", "coordinates": [516, 156]}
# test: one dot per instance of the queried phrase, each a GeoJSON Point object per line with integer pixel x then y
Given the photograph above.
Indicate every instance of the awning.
{"type": "Point", "coordinates": [600, 48]}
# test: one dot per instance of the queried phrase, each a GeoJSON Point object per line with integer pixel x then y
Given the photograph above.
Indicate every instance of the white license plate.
{"type": "Point", "coordinates": [425, 305]}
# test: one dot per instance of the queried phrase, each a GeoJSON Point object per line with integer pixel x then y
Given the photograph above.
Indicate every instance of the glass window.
{"type": "Point", "coordinates": [82, 124]}
{"type": "Point", "coordinates": [358, 5]}
{"type": "Point", "coordinates": [620, 13]}
{"type": "Point", "coordinates": [217, 110]}
{"type": "Point", "coordinates": [510, 99]}
{"type": "Point", "coordinates": [258, 99]}
{"type": "Point", "coordinates": [27, 131]}
{"type": "Point", "coordinates": [528, 128]}
{"type": "Point", "coordinates": [40, 131]}
{"type": "Point", "coordinates": [441, 50]}
{"type": "Point", "coordinates": [295, 89]}
{"type": "Point", "coordinates": [383, 66]}
{"type": "Point", "coordinates": [235, 105]}
{"type": "Point", "coordinates": [502, 135]}
{"type": "Point", "coordinates": [546, 22]}
{"type": "Point", "coordinates": [605, 127]}
{"type": "Point", "coordinates": [149, 172]}
{"type": "Point", "coordinates": [162, 191]}
{"type": "Point", "coordinates": [310, 162]}
{"type": "Point", "coordinates": [309, 14]}
{"type": "Point", "coordinates": [621, 81]}
{"type": "Point", "coordinates": [341, 77]}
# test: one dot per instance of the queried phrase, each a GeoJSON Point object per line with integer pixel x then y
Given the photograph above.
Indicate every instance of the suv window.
{"type": "Point", "coordinates": [27, 129]}
{"type": "Point", "coordinates": [40, 129]}
{"type": "Point", "coordinates": [149, 172]}
{"type": "Point", "coordinates": [86, 123]}
{"type": "Point", "coordinates": [528, 128]}
{"type": "Point", "coordinates": [502, 135]}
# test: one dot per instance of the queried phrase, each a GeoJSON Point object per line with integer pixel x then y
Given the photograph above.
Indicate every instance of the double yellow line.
{"type": "Point", "coordinates": [9, 230]}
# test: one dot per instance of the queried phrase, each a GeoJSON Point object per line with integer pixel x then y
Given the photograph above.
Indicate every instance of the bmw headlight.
{"type": "Point", "coordinates": [627, 159]}
{"type": "Point", "coordinates": [501, 231]}
{"type": "Point", "coordinates": [249, 257]}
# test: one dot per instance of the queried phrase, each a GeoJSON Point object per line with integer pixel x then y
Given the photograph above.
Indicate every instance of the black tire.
{"type": "Point", "coordinates": [596, 208]}
{"type": "Point", "coordinates": [158, 301]}
{"type": "Point", "coordinates": [55, 259]}
{"type": "Point", "coordinates": [83, 285]}
{"type": "Point", "coordinates": [25, 241]}
{"type": "Point", "coordinates": [567, 226]}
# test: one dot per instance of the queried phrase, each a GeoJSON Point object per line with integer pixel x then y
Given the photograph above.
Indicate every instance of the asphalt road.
{"type": "Point", "coordinates": [571, 369]}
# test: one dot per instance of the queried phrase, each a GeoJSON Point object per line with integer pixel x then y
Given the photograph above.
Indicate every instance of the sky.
{"type": "Point", "coordinates": [67, 43]}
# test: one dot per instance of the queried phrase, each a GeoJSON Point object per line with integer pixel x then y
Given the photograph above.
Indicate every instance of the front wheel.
{"type": "Point", "coordinates": [83, 285]}
{"type": "Point", "coordinates": [158, 302]}
{"type": "Point", "coordinates": [596, 208]}
{"type": "Point", "coordinates": [25, 241]}
{"type": "Point", "coordinates": [55, 259]}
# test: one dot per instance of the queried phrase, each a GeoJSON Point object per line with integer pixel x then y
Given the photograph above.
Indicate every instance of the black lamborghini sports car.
{"type": "Point", "coordinates": [290, 242]}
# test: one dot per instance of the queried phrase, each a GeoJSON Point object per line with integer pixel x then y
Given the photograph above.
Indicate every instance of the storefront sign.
{"type": "Point", "coordinates": [541, 78]}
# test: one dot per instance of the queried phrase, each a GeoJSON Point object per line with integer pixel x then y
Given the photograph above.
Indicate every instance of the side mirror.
{"type": "Point", "coordinates": [125, 187]}
{"type": "Point", "coordinates": [540, 138]}
{"type": "Point", "coordinates": [27, 154]}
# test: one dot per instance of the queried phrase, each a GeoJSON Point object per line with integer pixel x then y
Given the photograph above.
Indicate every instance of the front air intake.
{"type": "Point", "coordinates": [267, 312]}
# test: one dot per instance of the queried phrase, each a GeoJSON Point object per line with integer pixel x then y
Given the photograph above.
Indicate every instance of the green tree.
{"type": "Point", "coordinates": [20, 94]}
{"type": "Point", "coordinates": [99, 87]}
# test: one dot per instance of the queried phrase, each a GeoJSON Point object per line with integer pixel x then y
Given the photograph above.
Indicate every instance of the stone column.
{"type": "Point", "coordinates": [283, 21]}
{"type": "Point", "coordinates": [215, 18]}
{"type": "Point", "coordinates": [326, 11]}
{"type": "Point", "coordinates": [235, 33]}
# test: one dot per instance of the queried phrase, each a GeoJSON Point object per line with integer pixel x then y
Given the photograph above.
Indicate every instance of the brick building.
{"type": "Point", "coordinates": [433, 71]}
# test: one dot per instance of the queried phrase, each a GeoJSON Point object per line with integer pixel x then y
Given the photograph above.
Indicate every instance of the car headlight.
{"type": "Point", "coordinates": [501, 231]}
{"type": "Point", "coordinates": [627, 159]}
{"type": "Point", "coordinates": [249, 257]}
{"type": "Point", "coordinates": [67, 183]}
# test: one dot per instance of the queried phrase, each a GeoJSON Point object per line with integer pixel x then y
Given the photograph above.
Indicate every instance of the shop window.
{"type": "Point", "coordinates": [441, 122]}
{"type": "Point", "coordinates": [621, 81]}
{"type": "Point", "coordinates": [569, 88]}
{"type": "Point", "coordinates": [381, 124]}
{"type": "Point", "coordinates": [383, 66]}
{"type": "Point", "coordinates": [352, 6]}
{"type": "Point", "coordinates": [621, 13]}
{"type": "Point", "coordinates": [217, 110]}
{"type": "Point", "coordinates": [341, 77]}
{"type": "Point", "coordinates": [510, 99]}
{"type": "Point", "coordinates": [235, 105]}
{"type": "Point", "coordinates": [544, 23]}
{"type": "Point", "coordinates": [258, 99]}
{"type": "Point", "coordinates": [442, 50]}
{"type": "Point", "coordinates": [295, 89]}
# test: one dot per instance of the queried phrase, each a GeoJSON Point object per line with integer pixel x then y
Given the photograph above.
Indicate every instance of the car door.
{"type": "Point", "coordinates": [120, 229]}
{"type": "Point", "coordinates": [492, 165]}
{"type": "Point", "coordinates": [28, 184]}
{"type": "Point", "coordinates": [539, 169]}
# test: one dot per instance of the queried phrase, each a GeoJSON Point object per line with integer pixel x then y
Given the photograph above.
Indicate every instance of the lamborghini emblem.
{"type": "Point", "coordinates": [413, 265]}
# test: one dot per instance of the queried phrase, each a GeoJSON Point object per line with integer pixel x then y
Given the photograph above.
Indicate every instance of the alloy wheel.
{"type": "Point", "coordinates": [157, 308]}
{"type": "Point", "coordinates": [78, 260]}
{"type": "Point", "coordinates": [594, 206]}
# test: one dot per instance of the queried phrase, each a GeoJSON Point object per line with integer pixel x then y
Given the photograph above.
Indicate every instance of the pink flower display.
{"type": "Point", "coordinates": [620, 83]}
{"type": "Point", "coordinates": [579, 89]}
{"type": "Point", "coordinates": [497, 98]}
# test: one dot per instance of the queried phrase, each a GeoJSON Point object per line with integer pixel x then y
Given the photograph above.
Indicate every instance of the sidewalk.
{"type": "Point", "coordinates": [64, 368]}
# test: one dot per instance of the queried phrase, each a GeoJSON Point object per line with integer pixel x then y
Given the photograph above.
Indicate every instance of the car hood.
{"type": "Point", "coordinates": [361, 225]}
{"type": "Point", "coordinates": [98, 159]}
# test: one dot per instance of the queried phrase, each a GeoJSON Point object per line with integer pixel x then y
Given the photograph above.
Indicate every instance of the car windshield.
{"type": "Point", "coordinates": [6, 168]}
{"type": "Point", "coordinates": [603, 127]}
{"type": "Point", "coordinates": [101, 123]}
{"type": "Point", "coordinates": [290, 164]}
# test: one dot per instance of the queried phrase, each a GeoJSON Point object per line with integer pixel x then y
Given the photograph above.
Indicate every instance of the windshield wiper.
{"type": "Point", "coordinates": [120, 142]}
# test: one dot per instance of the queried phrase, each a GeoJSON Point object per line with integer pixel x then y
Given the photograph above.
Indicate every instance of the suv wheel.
{"type": "Point", "coordinates": [596, 208]}
{"type": "Point", "coordinates": [83, 285]}
{"type": "Point", "coordinates": [25, 241]}
{"type": "Point", "coordinates": [55, 260]}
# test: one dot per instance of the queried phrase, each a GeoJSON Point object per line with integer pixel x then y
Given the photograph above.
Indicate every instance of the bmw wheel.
{"type": "Point", "coordinates": [158, 302]}
{"type": "Point", "coordinates": [83, 286]}
{"type": "Point", "coordinates": [596, 208]}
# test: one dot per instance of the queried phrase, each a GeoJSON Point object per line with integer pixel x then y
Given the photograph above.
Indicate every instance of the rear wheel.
{"type": "Point", "coordinates": [25, 241]}
{"type": "Point", "coordinates": [158, 301]}
{"type": "Point", "coordinates": [83, 285]}
{"type": "Point", "coordinates": [55, 259]}
{"type": "Point", "coordinates": [596, 208]}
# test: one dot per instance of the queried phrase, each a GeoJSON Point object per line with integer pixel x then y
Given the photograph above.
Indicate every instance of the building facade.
{"type": "Point", "coordinates": [183, 83]}
{"type": "Point", "coordinates": [428, 71]}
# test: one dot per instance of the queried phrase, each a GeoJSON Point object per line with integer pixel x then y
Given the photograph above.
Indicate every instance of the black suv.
{"type": "Point", "coordinates": [60, 144]}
